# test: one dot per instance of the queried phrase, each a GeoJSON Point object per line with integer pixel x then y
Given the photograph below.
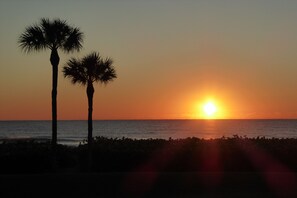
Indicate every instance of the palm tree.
{"type": "Point", "coordinates": [53, 35]}
{"type": "Point", "coordinates": [92, 68]}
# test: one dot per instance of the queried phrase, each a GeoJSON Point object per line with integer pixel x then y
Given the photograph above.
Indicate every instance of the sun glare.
{"type": "Point", "coordinates": [209, 109]}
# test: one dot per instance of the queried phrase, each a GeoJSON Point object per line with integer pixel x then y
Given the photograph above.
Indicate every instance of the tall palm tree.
{"type": "Point", "coordinates": [92, 68]}
{"type": "Point", "coordinates": [53, 35]}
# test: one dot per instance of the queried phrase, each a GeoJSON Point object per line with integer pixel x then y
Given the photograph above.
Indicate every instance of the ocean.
{"type": "Point", "coordinates": [74, 132]}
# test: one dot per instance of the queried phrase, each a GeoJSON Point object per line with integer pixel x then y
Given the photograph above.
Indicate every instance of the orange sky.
{"type": "Point", "coordinates": [170, 56]}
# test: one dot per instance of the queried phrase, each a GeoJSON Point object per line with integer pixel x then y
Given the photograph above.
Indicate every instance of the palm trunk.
{"type": "Point", "coordinates": [55, 62]}
{"type": "Point", "coordinates": [90, 93]}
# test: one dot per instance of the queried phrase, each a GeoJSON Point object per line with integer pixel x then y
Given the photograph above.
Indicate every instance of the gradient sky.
{"type": "Point", "coordinates": [171, 57]}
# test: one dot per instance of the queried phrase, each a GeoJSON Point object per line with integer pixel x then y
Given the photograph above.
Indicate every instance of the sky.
{"type": "Point", "coordinates": [171, 57]}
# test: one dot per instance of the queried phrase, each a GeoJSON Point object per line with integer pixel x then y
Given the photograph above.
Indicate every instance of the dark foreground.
{"type": "Point", "coordinates": [226, 167]}
{"type": "Point", "coordinates": [190, 184]}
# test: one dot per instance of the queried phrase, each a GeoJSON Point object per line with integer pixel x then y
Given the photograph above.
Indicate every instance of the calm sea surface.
{"type": "Point", "coordinates": [73, 132]}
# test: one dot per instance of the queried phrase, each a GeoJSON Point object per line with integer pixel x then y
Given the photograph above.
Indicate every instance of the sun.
{"type": "Point", "coordinates": [209, 109]}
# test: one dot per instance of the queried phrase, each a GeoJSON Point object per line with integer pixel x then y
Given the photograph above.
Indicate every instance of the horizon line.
{"type": "Point", "coordinates": [154, 119]}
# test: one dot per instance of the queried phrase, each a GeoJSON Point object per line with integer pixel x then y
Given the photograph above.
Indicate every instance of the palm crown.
{"type": "Point", "coordinates": [56, 34]}
{"type": "Point", "coordinates": [91, 68]}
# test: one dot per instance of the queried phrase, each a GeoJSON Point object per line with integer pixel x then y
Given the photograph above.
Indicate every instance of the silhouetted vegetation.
{"type": "Point", "coordinates": [157, 155]}
{"type": "Point", "coordinates": [92, 68]}
{"type": "Point", "coordinates": [191, 167]}
{"type": "Point", "coordinates": [54, 35]}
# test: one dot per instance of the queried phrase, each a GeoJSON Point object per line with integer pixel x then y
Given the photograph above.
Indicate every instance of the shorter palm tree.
{"type": "Point", "coordinates": [92, 68]}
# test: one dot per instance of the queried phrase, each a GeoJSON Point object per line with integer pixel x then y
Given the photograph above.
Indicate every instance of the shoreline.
{"type": "Point", "coordinates": [73, 132]}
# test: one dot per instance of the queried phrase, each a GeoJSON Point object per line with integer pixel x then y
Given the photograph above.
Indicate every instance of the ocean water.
{"type": "Point", "coordinates": [73, 132]}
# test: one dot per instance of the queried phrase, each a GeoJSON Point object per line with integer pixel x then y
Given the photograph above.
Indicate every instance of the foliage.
{"type": "Point", "coordinates": [190, 154]}
{"type": "Point", "coordinates": [91, 68]}
{"type": "Point", "coordinates": [55, 34]}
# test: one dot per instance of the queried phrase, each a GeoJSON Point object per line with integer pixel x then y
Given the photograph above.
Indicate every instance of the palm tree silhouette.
{"type": "Point", "coordinates": [53, 35]}
{"type": "Point", "coordinates": [91, 68]}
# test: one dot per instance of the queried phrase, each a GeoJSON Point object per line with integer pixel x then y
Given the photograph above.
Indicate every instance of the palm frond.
{"type": "Point", "coordinates": [48, 31]}
{"type": "Point", "coordinates": [105, 71]}
{"type": "Point", "coordinates": [75, 72]}
{"type": "Point", "coordinates": [90, 62]}
{"type": "Point", "coordinates": [73, 41]}
{"type": "Point", "coordinates": [32, 39]}
{"type": "Point", "coordinates": [62, 30]}
{"type": "Point", "coordinates": [108, 76]}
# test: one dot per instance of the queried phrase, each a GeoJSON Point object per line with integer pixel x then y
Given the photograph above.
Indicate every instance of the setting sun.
{"type": "Point", "coordinates": [209, 109]}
